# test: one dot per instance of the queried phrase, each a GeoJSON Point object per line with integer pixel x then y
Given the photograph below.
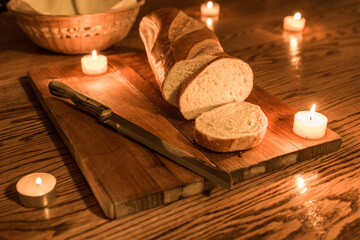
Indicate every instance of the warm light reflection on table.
{"type": "Point", "coordinates": [47, 213]}
{"type": "Point", "coordinates": [293, 44]}
{"type": "Point", "coordinates": [309, 210]}
{"type": "Point", "coordinates": [210, 22]}
{"type": "Point", "coordinates": [301, 184]}
{"type": "Point", "coordinates": [294, 50]}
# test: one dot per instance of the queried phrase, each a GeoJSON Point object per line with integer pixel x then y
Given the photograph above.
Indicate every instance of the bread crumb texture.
{"type": "Point", "coordinates": [231, 127]}
{"type": "Point", "coordinates": [223, 81]}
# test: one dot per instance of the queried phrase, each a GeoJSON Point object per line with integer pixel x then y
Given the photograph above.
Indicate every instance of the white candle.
{"type": "Point", "coordinates": [310, 124]}
{"type": "Point", "coordinates": [37, 189]}
{"type": "Point", "coordinates": [294, 23]}
{"type": "Point", "coordinates": [94, 64]}
{"type": "Point", "coordinates": [210, 9]}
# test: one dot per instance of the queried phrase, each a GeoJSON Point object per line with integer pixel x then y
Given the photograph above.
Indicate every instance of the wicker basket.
{"type": "Point", "coordinates": [78, 33]}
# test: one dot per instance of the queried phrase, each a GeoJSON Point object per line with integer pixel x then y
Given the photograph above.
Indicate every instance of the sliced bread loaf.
{"type": "Point", "coordinates": [177, 46]}
{"type": "Point", "coordinates": [182, 51]}
{"type": "Point", "coordinates": [231, 127]}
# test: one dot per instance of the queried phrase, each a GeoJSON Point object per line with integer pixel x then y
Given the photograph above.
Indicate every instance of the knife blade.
{"type": "Point", "coordinates": [140, 135]}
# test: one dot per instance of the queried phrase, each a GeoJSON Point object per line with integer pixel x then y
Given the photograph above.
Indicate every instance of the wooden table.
{"type": "Point", "coordinates": [315, 199]}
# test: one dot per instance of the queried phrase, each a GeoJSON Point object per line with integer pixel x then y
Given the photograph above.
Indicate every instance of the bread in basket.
{"type": "Point", "coordinates": [77, 34]}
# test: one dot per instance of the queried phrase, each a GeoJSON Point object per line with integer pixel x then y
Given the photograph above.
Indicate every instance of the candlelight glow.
{"type": "Point", "coordinates": [94, 55]}
{"type": "Point", "coordinates": [94, 64]}
{"type": "Point", "coordinates": [312, 112]}
{"type": "Point", "coordinates": [210, 9]}
{"type": "Point", "coordinates": [297, 16]}
{"type": "Point", "coordinates": [38, 181]}
{"type": "Point", "coordinates": [209, 23]}
{"type": "Point", "coordinates": [294, 50]}
{"type": "Point", "coordinates": [293, 43]}
{"type": "Point", "coordinates": [301, 184]}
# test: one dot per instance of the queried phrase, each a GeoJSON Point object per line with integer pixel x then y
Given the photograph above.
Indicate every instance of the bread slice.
{"type": "Point", "coordinates": [223, 80]}
{"type": "Point", "coordinates": [231, 127]}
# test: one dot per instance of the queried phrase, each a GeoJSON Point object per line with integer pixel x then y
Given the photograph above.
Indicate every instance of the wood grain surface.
{"type": "Point", "coordinates": [316, 199]}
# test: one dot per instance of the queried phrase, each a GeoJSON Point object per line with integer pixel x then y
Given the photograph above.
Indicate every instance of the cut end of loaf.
{"type": "Point", "coordinates": [231, 127]}
{"type": "Point", "coordinates": [181, 72]}
{"type": "Point", "coordinates": [222, 81]}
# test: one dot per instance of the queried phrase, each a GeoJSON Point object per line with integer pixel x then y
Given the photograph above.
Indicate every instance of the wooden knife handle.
{"type": "Point", "coordinates": [82, 101]}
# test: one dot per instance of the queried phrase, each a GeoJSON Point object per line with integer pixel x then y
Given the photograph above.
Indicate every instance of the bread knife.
{"type": "Point", "coordinates": [140, 135]}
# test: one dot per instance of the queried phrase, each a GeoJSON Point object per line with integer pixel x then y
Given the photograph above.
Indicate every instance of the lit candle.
{"type": "Point", "coordinates": [210, 9]}
{"type": "Point", "coordinates": [294, 23]}
{"type": "Point", "coordinates": [37, 190]}
{"type": "Point", "coordinates": [310, 124]}
{"type": "Point", "coordinates": [94, 64]}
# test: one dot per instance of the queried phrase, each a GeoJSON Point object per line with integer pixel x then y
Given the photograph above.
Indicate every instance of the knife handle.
{"type": "Point", "coordinates": [82, 101]}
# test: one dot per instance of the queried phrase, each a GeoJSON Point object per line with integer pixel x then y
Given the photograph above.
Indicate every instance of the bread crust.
{"type": "Point", "coordinates": [184, 45]}
{"type": "Point", "coordinates": [155, 27]}
{"type": "Point", "coordinates": [229, 145]}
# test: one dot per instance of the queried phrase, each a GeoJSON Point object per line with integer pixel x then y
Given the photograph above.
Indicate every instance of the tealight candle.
{"type": "Point", "coordinates": [294, 23]}
{"type": "Point", "coordinates": [94, 64]}
{"type": "Point", "coordinates": [310, 124]}
{"type": "Point", "coordinates": [210, 9]}
{"type": "Point", "coordinates": [37, 190]}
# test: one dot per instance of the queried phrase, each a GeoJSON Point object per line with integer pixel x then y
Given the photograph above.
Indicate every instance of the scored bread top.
{"type": "Point", "coordinates": [153, 31]}
{"type": "Point", "coordinates": [181, 25]}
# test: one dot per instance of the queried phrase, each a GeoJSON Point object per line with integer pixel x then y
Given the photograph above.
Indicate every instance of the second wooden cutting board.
{"type": "Point", "coordinates": [126, 177]}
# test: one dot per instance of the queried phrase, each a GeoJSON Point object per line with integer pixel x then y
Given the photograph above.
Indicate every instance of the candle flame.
{"type": "Point", "coordinates": [209, 4]}
{"type": "Point", "coordinates": [312, 112]}
{"type": "Point", "coordinates": [38, 181]}
{"type": "Point", "coordinates": [209, 22]}
{"type": "Point", "coordinates": [297, 16]}
{"type": "Point", "coordinates": [94, 55]}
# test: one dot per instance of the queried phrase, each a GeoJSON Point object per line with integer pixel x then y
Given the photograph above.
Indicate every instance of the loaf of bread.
{"type": "Point", "coordinates": [231, 127]}
{"type": "Point", "coordinates": [190, 66]}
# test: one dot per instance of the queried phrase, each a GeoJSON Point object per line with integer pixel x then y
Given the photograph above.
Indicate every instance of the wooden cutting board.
{"type": "Point", "coordinates": [126, 177]}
